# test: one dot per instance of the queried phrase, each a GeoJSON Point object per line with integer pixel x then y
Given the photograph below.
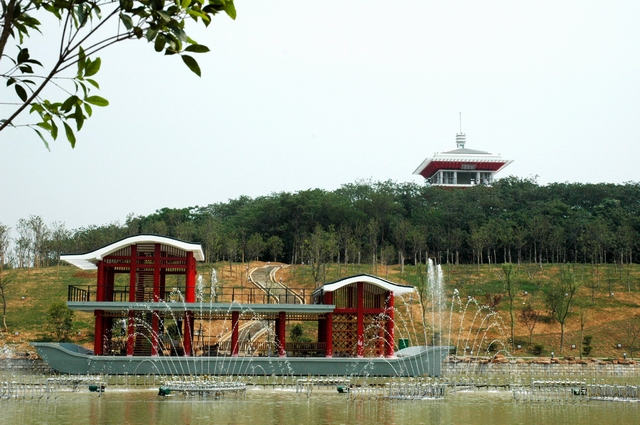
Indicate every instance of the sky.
{"type": "Point", "coordinates": [298, 95]}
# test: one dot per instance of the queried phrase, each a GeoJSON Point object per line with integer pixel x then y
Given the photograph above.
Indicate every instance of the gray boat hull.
{"type": "Point", "coordinates": [74, 359]}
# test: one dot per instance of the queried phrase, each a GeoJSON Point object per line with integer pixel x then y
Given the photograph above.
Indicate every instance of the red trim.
{"type": "Point", "coordinates": [141, 257]}
{"type": "Point", "coordinates": [145, 266]}
{"type": "Point", "coordinates": [357, 310]}
{"type": "Point", "coordinates": [435, 166]}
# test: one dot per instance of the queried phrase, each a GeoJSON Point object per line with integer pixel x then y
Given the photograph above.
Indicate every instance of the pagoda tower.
{"type": "Point", "coordinates": [461, 167]}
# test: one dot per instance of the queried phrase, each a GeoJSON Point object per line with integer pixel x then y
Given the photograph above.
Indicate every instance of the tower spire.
{"type": "Point", "coordinates": [461, 138]}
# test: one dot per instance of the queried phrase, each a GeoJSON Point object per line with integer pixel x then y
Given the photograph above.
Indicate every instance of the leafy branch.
{"type": "Point", "coordinates": [84, 33]}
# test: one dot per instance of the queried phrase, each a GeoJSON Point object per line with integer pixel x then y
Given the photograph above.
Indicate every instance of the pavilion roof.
{"type": "Point", "coordinates": [89, 260]}
{"type": "Point", "coordinates": [387, 285]}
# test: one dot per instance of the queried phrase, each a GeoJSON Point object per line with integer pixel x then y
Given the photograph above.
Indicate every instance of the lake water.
{"type": "Point", "coordinates": [286, 407]}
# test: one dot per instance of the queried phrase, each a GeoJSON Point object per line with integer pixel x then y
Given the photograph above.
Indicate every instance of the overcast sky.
{"type": "Point", "coordinates": [299, 94]}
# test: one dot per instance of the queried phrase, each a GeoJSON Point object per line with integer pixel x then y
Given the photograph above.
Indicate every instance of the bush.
{"type": "Point", "coordinates": [586, 345]}
{"type": "Point", "coordinates": [538, 349]}
{"type": "Point", "coordinates": [60, 320]}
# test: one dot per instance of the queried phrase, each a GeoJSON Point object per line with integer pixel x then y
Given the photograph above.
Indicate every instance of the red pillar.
{"type": "Point", "coordinates": [188, 333]}
{"type": "Point", "coordinates": [155, 325]}
{"type": "Point", "coordinates": [190, 297]}
{"type": "Point", "coordinates": [156, 273]}
{"type": "Point", "coordinates": [190, 289]}
{"type": "Point", "coordinates": [132, 274]}
{"type": "Point", "coordinates": [276, 331]}
{"type": "Point", "coordinates": [155, 322]}
{"type": "Point", "coordinates": [282, 329]}
{"type": "Point", "coordinates": [131, 333]}
{"type": "Point", "coordinates": [109, 283]}
{"type": "Point", "coordinates": [100, 292]}
{"type": "Point", "coordinates": [360, 348]}
{"type": "Point", "coordinates": [163, 279]}
{"type": "Point", "coordinates": [235, 319]}
{"type": "Point", "coordinates": [131, 326]}
{"type": "Point", "coordinates": [328, 352]}
{"type": "Point", "coordinates": [98, 342]}
{"type": "Point", "coordinates": [390, 337]}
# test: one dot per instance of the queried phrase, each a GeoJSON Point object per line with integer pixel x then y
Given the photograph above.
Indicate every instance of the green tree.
{"type": "Point", "coordinates": [512, 287]}
{"type": "Point", "coordinates": [560, 297]}
{"type": "Point", "coordinates": [81, 35]}
{"type": "Point", "coordinates": [5, 281]}
{"type": "Point", "coordinates": [275, 246]}
{"type": "Point", "coordinates": [632, 334]}
{"type": "Point", "coordinates": [255, 246]}
{"type": "Point", "coordinates": [321, 247]}
{"type": "Point", "coordinates": [60, 320]}
{"type": "Point", "coordinates": [530, 317]}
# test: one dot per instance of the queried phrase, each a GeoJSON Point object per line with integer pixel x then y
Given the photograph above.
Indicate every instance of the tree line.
{"type": "Point", "coordinates": [515, 220]}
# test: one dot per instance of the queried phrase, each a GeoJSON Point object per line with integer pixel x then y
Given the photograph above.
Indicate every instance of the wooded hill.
{"type": "Point", "coordinates": [516, 220]}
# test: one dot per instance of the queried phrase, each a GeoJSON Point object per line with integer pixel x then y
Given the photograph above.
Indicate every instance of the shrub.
{"type": "Point", "coordinates": [538, 349]}
{"type": "Point", "coordinates": [60, 320]}
{"type": "Point", "coordinates": [586, 345]}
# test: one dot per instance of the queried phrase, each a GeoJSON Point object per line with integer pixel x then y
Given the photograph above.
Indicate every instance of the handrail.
{"type": "Point", "coordinates": [242, 295]}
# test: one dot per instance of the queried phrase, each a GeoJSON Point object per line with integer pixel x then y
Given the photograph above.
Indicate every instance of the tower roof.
{"type": "Point", "coordinates": [454, 160]}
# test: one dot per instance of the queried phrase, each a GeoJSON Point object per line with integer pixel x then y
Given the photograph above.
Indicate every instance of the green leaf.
{"type": "Point", "coordinates": [26, 69]}
{"type": "Point", "coordinates": [54, 130]}
{"type": "Point", "coordinates": [230, 9]}
{"type": "Point", "coordinates": [197, 48]}
{"type": "Point", "coordinates": [79, 117]}
{"type": "Point", "coordinates": [93, 67]}
{"type": "Point", "coordinates": [97, 101]}
{"type": "Point", "coordinates": [70, 136]}
{"type": "Point", "coordinates": [151, 33]}
{"type": "Point", "coordinates": [88, 108]}
{"type": "Point", "coordinates": [68, 104]}
{"type": "Point", "coordinates": [94, 83]}
{"type": "Point", "coordinates": [22, 93]}
{"type": "Point", "coordinates": [192, 64]}
{"type": "Point", "coordinates": [36, 107]}
{"type": "Point", "coordinates": [45, 125]}
{"type": "Point", "coordinates": [46, 144]}
{"type": "Point", "coordinates": [127, 21]}
{"type": "Point", "coordinates": [186, 3]}
{"type": "Point", "coordinates": [23, 56]}
{"type": "Point", "coordinates": [195, 14]}
{"type": "Point", "coordinates": [159, 44]}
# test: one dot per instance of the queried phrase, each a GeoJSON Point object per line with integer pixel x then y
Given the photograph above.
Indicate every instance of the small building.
{"type": "Point", "coordinates": [461, 167]}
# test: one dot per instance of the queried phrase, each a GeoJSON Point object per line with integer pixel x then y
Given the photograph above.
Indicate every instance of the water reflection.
{"type": "Point", "coordinates": [285, 407]}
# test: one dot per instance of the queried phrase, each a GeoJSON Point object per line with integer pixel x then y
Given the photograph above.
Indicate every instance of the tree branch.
{"type": "Point", "coordinates": [7, 25]}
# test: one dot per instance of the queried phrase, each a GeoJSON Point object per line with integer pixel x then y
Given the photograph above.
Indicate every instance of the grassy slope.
{"type": "Point", "coordinates": [607, 319]}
